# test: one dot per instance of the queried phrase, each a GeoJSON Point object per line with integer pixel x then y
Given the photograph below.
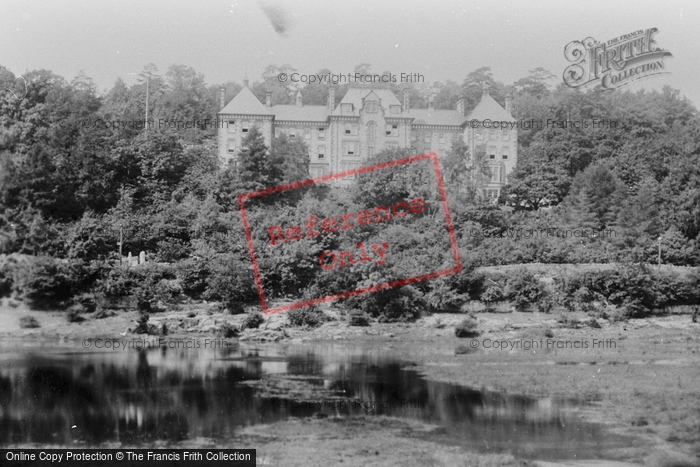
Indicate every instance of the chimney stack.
{"type": "Point", "coordinates": [460, 105]}
{"type": "Point", "coordinates": [430, 102]}
{"type": "Point", "coordinates": [299, 104]}
{"type": "Point", "coordinates": [245, 80]}
{"type": "Point", "coordinates": [331, 99]}
{"type": "Point", "coordinates": [268, 99]}
{"type": "Point", "coordinates": [222, 98]}
{"type": "Point", "coordinates": [406, 100]}
{"type": "Point", "coordinates": [509, 105]}
{"type": "Point", "coordinates": [485, 89]}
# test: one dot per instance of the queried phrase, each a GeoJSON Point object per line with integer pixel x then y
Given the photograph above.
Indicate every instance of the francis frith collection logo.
{"type": "Point", "coordinates": [614, 63]}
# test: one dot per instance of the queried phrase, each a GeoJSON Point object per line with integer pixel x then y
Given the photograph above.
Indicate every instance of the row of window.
{"type": "Point", "coordinates": [371, 107]}
{"type": "Point", "coordinates": [428, 137]}
{"type": "Point", "coordinates": [245, 125]}
{"type": "Point", "coordinates": [492, 134]}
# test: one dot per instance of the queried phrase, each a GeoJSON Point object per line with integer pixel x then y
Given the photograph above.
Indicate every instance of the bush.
{"type": "Point", "coordinates": [86, 301]}
{"type": "Point", "coordinates": [253, 320]}
{"type": "Point", "coordinates": [467, 328]}
{"type": "Point", "coordinates": [5, 280]}
{"type": "Point", "coordinates": [28, 322]}
{"type": "Point", "coordinates": [443, 299]}
{"type": "Point", "coordinates": [192, 275]}
{"type": "Point", "coordinates": [358, 318]}
{"type": "Point", "coordinates": [74, 314]}
{"type": "Point", "coordinates": [143, 326]}
{"type": "Point", "coordinates": [309, 316]}
{"type": "Point", "coordinates": [523, 289]}
{"type": "Point", "coordinates": [43, 282]}
{"type": "Point", "coordinates": [227, 330]}
{"type": "Point", "coordinates": [232, 282]}
{"type": "Point", "coordinates": [389, 305]}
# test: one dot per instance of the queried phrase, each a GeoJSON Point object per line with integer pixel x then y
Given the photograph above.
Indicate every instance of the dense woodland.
{"type": "Point", "coordinates": [67, 185]}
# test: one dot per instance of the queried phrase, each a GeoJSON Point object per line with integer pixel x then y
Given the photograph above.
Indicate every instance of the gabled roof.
{"type": "Point", "coordinates": [307, 113]}
{"type": "Point", "coordinates": [245, 103]}
{"type": "Point", "coordinates": [355, 95]}
{"type": "Point", "coordinates": [436, 117]}
{"type": "Point", "coordinates": [489, 109]}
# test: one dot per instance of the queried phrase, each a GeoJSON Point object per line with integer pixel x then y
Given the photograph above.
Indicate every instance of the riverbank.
{"type": "Point", "coordinates": [639, 378]}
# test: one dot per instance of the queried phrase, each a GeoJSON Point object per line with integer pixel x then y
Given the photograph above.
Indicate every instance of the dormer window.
{"type": "Point", "coordinates": [395, 109]}
{"type": "Point", "coordinates": [371, 107]}
{"type": "Point", "coordinates": [346, 109]}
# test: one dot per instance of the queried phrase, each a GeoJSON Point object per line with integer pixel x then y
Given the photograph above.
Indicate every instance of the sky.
{"type": "Point", "coordinates": [440, 39]}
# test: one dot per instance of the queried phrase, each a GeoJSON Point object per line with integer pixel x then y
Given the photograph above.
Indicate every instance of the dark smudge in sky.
{"type": "Point", "coordinates": [278, 18]}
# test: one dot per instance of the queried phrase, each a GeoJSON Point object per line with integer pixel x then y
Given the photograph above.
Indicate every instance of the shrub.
{"type": "Point", "coordinates": [253, 320]}
{"type": "Point", "coordinates": [309, 316]}
{"type": "Point", "coordinates": [227, 330]}
{"type": "Point", "coordinates": [388, 305]}
{"type": "Point", "coordinates": [87, 301]}
{"type": "Point", "coordinates": [192, 275]}
{"type": "Point", "coordinates": [548, 333]}
{"type": "Point", "coordinates": [523, 289]}
{"type": "Point", "coordinates": [43, 282]}
{"type": "Point", "coordinates": [5, 280]}
{"type": "Point", "coordinates": [143, 326]}
{"type": "Point", "coordinates": [232, 282]}
{"type": "Point", "coordinates": [467, 328]}
{"type": "Point", "coordinates": [28, 322]}
{"type": "Point", "coordinates": [443, 299]}
{"type": "Point", "coordinates": [74, 314]}
{"type": "Point", "coordinates": [358, 318]}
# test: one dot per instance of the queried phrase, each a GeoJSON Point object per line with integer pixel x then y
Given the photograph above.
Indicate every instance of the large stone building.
{"type": "Point", "coordinates": [368, 120]}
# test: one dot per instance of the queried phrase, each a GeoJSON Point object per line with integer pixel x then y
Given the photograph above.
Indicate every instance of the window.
{"type": "Point", "coordinates": [292, 134]}
{"type": "Point", "coordinates": [350, 129]}
{"type": "Point", "coordinates": [346, 109]}
{"type": "Point", "coordinates": [307, 133]}
{"type": "Point", "coordinates": [505, 135]}
{"type": "Point", "coordinates": [321, 133]}
{"type": "Point", "coordinates": [231, 146]}
{"type": "Point", "coordinates": [427, 137]}
{"type": "Point", "coordinates": [244, 127]}
{"type": "Point", "coordinates": [504, 153]}
{"type": "Point", "coordinates": [350, 148]}
{"type": "Point", "coordinates": [321, 152]}
{"type": "Point", "coordinates": [495, 174]}
{"type": "Point", "coordinates": [257, 124]}
{"type": "Point", "coordinates": [392, 130]}
{"type": "Point", "coordinates": [479, 133]}
{"type": "Point", "coordinates": [441, 138]}
{"type": "Point", "coordinates": [371, 107]}
{"type": "Point", "coordinates": [371, 131]}
{"type": "Point", "coordinates": [414, 136]}
{"type": "Point", "coordinates": [492, 156]}
{"type": "Point", "coordinates": [492, 194]}
{"type": "Point", "coordinates": [395, 109]}
{"type": "Point", "coordinates": [231, 126]}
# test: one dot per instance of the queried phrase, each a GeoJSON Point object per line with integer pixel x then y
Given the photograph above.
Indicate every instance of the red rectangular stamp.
{"type": "Point", "coordinates": [366, 249]}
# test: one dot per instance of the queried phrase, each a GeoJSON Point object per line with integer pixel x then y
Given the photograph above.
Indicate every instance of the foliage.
{"type": "Point", "coordinates": [253, 320]}
{"type": "Point", "coordinates": [231, 281]}
{"type": "Point", "coordinates": [358, 318]}
{"type": "Point", "coordinates": [308, 316]}
{"type": "Point", "coordinates": [467, 328]}
{"type": "Point", "coordinates": [28, 322]}
{"type": "Point", "coordinates": [524, 289]}
{"type": "Point", "coordinates": [43, 282]}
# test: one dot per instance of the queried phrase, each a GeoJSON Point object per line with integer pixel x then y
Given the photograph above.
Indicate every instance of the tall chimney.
{"type": "Point", "coordinates": [299, 99]}
{"type": "Point", "coordinates": [406, 100]}
{"type": "Point", "coordinates": [485, 89]}
{"type": "Point", "coordinates": [268, 99]}
{"type": "Point", "coordinates": [245, 80]}
{"type": "Point", "coordinates": [430, 102]}
{"type": "Point", "coordinates": [222, 97]}
{"type": "Point", "coordinates": [509, 105]}
{"type": "Point", "coordinates": [460, 105]}
{"type": "Point", "coordinates": [331, 99]}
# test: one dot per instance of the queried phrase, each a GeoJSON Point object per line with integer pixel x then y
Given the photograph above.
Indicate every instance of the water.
{"type": "Point", "coordinates": [63, 397]}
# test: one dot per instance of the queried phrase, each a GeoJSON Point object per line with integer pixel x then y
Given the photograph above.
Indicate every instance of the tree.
{"type": "Point", "coordinates": [536, 181]}
{"type": "Point", "coordinates": [258, 168]}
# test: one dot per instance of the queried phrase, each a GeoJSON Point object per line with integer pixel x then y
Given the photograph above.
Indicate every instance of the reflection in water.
{"type": "Point", "coordinates": [135, 397]}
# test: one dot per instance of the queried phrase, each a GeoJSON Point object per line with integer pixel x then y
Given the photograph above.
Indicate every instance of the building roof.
{"type": "Point", "coordinates": [245, 103]}
{"type": "Point", "coordinates": [307, 113]}
{"type": "Point", "coordinates": [489, 109]}
{"type": "Point", "coordinates": [355, 95]}
{"type": "Point", "coordinates": [436, 117]}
